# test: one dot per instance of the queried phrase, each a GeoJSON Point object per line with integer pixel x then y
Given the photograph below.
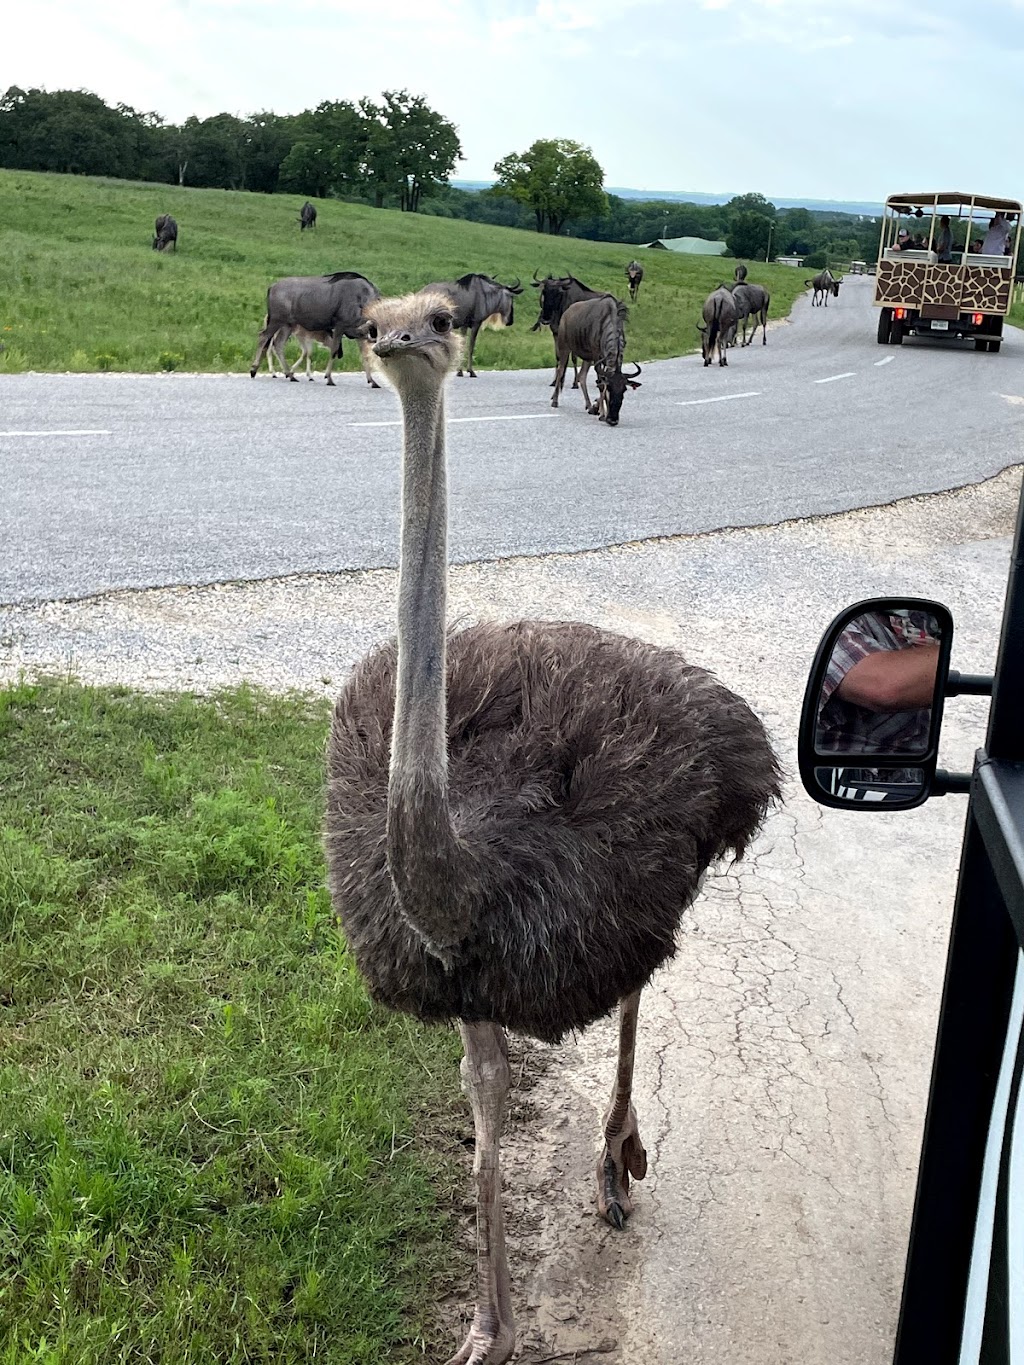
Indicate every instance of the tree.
{"type": "Point", "coordinates": [750, 203]}
{"type": "Point", "coordinates": [73, 131]}
{"type": "Point", "coordinates": [266, 140]}
{"type": "Point", "coordinates": [748, 236]}
{"type": "Point", "coordinates": [558, 179]}
{"type": "Point", "coordinates": [408, 148]}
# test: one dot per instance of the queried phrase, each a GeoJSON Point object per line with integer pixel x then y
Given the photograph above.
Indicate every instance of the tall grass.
{"type": "Point", "coordinates": [81, 288]}
{"type": "Point", "coordinates": [207, 1131]}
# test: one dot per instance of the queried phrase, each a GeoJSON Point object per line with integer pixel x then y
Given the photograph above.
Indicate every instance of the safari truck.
{"type": "Point", "coordinates": [946, 266]}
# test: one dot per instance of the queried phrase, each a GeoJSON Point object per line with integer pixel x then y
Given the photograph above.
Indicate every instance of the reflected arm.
{"type": "Point", "coordinates": [892, 680]}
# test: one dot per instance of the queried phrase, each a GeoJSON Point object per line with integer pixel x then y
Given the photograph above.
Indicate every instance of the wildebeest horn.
{"type": "Point", "coordinates": [635, 372]}
{"type": "Point", "coordinates": [516, 288]}
{"type": "Point", "coordinates": [535, 279]}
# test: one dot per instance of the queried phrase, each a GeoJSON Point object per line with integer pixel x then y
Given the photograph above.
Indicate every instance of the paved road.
{"type": "Point", "coordinates": [133, 481]}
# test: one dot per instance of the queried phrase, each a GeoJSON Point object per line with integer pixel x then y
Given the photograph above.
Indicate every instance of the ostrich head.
{"type": "Point", "coordinates": [413, 339]}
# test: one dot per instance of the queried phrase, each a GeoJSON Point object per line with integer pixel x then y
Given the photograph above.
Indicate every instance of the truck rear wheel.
{"type": "Point", "coordinates": [884, 325]}
{"type": "Point", "coordinates": [995, 345]}
{"type": "Point", "coordinates": [981, 343]}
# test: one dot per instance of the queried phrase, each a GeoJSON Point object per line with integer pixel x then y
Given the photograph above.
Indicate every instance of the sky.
{"type": "Point", "coordinates": [848, 101]}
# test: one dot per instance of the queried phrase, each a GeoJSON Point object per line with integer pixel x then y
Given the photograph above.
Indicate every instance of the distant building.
{"type": "Point", "coordinates": [693, 246]}
{"type": "Point", "coordinates": [789, 260]}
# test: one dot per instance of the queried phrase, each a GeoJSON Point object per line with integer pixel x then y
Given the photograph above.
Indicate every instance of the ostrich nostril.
{"type": "Point", "coordinates": [406, 337]}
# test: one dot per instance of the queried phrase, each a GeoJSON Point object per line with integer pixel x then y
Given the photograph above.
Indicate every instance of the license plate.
{"type": "Point", "coordinates": [940, 326]}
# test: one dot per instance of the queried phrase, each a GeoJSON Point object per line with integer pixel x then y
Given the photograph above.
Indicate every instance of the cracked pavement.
{"type": "Point", "coordinates": [783, 1057]}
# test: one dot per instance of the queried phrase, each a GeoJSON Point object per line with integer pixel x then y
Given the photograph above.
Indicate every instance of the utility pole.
{"type": "Point", "coordinates": [768, 252]}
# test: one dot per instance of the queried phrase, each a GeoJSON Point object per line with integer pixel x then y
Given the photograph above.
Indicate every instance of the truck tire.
{"type": "Point", "coordinates": [896, 333]}
{"type": "Point", "coordinates": [981, 343]}
{"type": "Point", "coordinates": [884, 325]}
{"type": "Point", "coordinates": [995, 345]}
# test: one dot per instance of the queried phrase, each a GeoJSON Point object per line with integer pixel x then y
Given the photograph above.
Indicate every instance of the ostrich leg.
{"type": "Point", "coordinates": [623, 1154]}
{"type": "Point", "coordinates": [485, 1076]}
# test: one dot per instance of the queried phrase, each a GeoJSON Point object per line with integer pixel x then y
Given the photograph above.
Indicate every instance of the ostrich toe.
{"type": "Point", "coordinates": [623, 1156]}
{"type": "Point", "coordinates": [483, 1347]}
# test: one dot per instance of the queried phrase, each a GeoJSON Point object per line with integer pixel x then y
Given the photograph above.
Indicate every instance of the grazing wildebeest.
{"type": "Point", "coordinates": [557, 292]}
{"type": "Point", "coordinates": [719, 314]}
{"type": "Point", "coordinates": [479, 301]}
{"type": "Point", "coordinates": [307, 216]}
{"type": "Point", "coordinates": [751, 301]}
{"type": "Point", "coordinates": [595, 331]}
{"type": "Point", "coordinates": [166, 233]}
{"type": "Point", "coordinates": [824, 283]}
{"type": "Point", "coordinates": [635, 275]}
{"type": "Point", "coordinates": [740, 274]}
{"type": "Point", "coordinates": [330, 307]}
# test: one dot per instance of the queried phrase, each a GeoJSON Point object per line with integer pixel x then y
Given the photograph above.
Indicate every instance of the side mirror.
{"type": "Point", "coordinates": [869, 728]}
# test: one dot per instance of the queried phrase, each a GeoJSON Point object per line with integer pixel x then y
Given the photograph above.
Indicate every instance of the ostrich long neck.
{"type": "Point", "coordinates": [423, 851]}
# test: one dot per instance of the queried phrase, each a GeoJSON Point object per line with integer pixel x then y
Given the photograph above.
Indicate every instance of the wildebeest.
{"type": "Point", "coordinates": [824, 283]}
{"type": "Point", "coordinates": [306, 340]}
{"type": "Point", "coordinates": [751, 301]}
{"type": "Point", "coordinates": [307, 216]}
{"type": "Point", "coordinates": [478, 301]}
{"type": "Point", "coordinates": [327, 306]}
{"type": "Point", "coordinates": [719, 314]}
{"type": "Point", "coordinates": [557, 292]}
{"type": "Point", "coordinates": [635, 275]}
{"type": "Point", "coordinates": [166, 233]}
{"type": "Point", "coordinates": [595, 331]}
{"type": "Point", "coordinates": [740, 274]}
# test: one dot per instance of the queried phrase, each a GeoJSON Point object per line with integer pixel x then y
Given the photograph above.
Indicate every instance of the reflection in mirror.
{"type": "Point", "coordinates": [893, 786]}
{"type": "Point", "coordinates": [879, 687]}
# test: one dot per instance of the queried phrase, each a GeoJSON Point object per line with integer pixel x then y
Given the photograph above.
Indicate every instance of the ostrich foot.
{"type": "Point", "coordinates": [623, 1156]}
{"type": "Point", "coordinates": [486, 1346]}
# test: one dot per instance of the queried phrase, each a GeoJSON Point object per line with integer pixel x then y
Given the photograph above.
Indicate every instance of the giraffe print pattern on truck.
{"type": "Point", "coordinates": [915, 283]}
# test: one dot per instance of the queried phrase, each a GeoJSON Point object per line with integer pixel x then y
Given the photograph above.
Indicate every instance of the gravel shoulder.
{"type": "Point", "coordinates": [784, 1055]}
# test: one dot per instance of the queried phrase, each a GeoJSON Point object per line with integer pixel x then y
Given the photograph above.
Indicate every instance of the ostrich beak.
{"type": "Point", "coordinates": [392, 343]}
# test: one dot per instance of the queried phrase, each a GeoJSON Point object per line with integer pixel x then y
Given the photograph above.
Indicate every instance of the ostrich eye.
{"type": "Point", "coordinates": [441, 322]}
{"type": "Point", "coordinates": [371, 331]}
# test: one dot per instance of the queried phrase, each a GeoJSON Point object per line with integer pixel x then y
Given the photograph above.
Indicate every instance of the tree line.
{"type": "Point", "coordinates": [387, 151]}
{"type": "Point", "coordinates": [395, 152]}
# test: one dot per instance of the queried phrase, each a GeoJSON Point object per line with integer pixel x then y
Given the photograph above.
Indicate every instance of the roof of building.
{"type": "Point", "coordinates": [696, 246]}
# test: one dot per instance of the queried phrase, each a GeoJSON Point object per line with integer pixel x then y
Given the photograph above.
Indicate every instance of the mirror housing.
{"type": "Point", "coordinates": [869, 739]}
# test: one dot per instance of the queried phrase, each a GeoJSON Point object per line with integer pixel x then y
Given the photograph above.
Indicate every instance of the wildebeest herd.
{"type": "Point", "coordinates": [726, 310]}
{"type": "Point", "coordinates": [588, 326]}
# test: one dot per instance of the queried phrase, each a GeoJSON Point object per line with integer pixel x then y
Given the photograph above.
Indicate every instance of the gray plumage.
{"type": "Point", "coordinates": [593, 779]}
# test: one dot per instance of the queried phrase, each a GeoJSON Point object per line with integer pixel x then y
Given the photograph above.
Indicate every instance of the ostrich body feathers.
{"type": "Point", "coordinates": [592, 780]}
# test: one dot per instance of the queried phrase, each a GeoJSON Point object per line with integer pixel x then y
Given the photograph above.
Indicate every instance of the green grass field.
{"type": "Point", "coordinates": [213, 1148]}
{"type": "Point", "coordinates": [81, 289]}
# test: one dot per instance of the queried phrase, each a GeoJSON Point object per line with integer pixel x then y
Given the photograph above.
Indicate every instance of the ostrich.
{"type": "Point", "coordinates": [518, 814]}
{"type": "Point", "coordinates": [739, 274]}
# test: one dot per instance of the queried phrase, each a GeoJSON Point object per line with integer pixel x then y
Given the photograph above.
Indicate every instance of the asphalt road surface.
{"type": "Point", "coordinates": [113, 481]}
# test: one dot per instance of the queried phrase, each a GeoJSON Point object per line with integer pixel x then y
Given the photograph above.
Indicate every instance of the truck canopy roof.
{"type": "Point", "coordinates": [983, 201]}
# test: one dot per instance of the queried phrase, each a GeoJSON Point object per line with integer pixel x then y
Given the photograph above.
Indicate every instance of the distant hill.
{"type": "Point", "coordinates": [698, 197]}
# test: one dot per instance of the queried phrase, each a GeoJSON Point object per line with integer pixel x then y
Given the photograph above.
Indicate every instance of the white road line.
{"type": "Point", "coordinates": [507, 417]}
{"type": "Point", "coordinates": [887, 361]}
{"type": "Point", "coordinates": [848, 374]}
{"type": "Point", "coordinates": [721, 398]}
{"type": "Point", "coordinates": [55, 433]}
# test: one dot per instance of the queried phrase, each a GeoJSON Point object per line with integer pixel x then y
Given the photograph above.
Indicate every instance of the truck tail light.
{"type": "Point", "coordinates": [977, 319]}
{"type": "Point", "coordinates": [899, 313]}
